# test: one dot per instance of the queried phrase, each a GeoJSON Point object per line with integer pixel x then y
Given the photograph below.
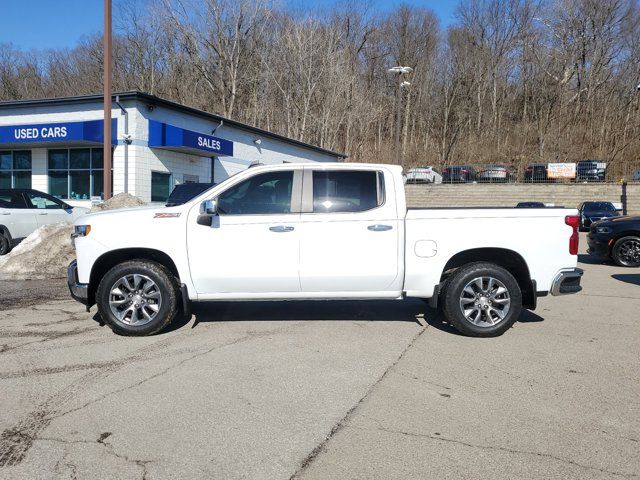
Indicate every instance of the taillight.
{"type": "Point", "coordinates": [574, 222]}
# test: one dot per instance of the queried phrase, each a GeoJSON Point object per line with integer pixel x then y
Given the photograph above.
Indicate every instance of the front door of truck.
{"type": "Point", "coordinates": [350, 234]}
{"type": "Point", "coordinates": [252, 247]}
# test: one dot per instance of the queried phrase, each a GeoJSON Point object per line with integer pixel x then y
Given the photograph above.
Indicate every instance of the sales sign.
{"type": "Point", "coordinates": [170, 137]}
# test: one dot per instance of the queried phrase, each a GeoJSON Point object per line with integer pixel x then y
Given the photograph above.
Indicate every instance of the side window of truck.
{"type": "Point", "coordinates": [264, 194]}
{"type": "Point", "coordinates": [347, 191]}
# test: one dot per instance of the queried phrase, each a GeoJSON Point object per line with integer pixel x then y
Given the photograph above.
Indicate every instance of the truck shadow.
{"type": "Point", "coordinates": [318, 310]}
{"type": "Point", "coordinates": [437, 320]}
{"type": "Point", "coordinates": [591, 259]}
{"type": "Point", "coordinates": [409, 310]}
{"type": "Point", "coordinates": [632, 278]}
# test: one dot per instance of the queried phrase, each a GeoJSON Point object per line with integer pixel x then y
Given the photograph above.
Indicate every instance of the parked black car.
{"type": "Point", "coordinates": [186, 191]}
{"type": "Point", "coordinates": [536, 173]}
{"type": "Point", "coordinates": [616, 238]}
{"type": "Point", "coordinates": [530, 205]}
{"type": "Point", "coordinates": [591, 212]}
{"type": "Point", "coordinates": [590, 171]}
{"type": "Point", "coordinates": [459, 174]}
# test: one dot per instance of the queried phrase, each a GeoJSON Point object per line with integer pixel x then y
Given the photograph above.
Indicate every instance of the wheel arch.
{"type": "Point", "coordinates": [6, 232]}
{"type": "Point", "coordinates": [112, 258]}
{"type": "Point", "coordinates": [618, 235]}
{"type": "Point", "coordinates": [510, 260]}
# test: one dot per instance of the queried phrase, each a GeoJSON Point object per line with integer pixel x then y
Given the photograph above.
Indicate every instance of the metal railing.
{"type": "Point", "coordinates": [584, 172]}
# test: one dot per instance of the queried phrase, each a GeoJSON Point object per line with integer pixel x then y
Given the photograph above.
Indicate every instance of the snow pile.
{"type": "Point", "coordinates": [121, 200]}
{"type": "Point", "coordinates": [45, 253]}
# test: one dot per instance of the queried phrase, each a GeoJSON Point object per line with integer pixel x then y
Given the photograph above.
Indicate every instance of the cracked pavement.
{"type": "Point", "coordinates": [324, 390]}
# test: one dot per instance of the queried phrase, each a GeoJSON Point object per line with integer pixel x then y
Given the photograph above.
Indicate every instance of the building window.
{"type": "Point", "coordinates": [160, 186]}
{"type": "Point", "coordinates": [76, 173]}
{"type": "Point", "coordinates": [15, 169]}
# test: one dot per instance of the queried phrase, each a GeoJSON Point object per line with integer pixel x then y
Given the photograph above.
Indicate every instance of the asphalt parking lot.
{"type": "Point", "coordinates": [324, 390]}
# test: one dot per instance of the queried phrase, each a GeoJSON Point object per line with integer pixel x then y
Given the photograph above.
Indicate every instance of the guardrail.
{"type": "Point", "coordinates": [552, 173]}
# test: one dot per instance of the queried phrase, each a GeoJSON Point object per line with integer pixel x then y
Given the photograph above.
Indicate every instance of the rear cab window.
{"type": "Point", "coordinates": [343, 191]}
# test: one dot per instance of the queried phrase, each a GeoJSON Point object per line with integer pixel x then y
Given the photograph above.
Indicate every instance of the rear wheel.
{"type": "Point", "coordinates": [626, 251]}
{"type": "Point", "coordinates": [5, 246]}
{"type": "Point", "coordinates": [482, 300]}
{"type": "Point", "coordinates": [138, 298]}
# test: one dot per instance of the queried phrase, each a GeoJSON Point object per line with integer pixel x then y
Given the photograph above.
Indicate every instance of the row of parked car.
{"type": "Point", "coordinates": [586, 171]}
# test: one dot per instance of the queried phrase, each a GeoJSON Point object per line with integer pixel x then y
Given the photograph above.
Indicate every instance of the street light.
{"type": "Point", "coordinates": [399, 71]}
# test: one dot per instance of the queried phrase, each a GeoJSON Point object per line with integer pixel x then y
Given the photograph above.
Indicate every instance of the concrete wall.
{"type": "Point", "coordinates": [485, 195]}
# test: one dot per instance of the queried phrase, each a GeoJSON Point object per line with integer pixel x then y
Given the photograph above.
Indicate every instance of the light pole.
{"type": "Point", "coordinates": [399, 71]}
{"type": "Point", "coordinates": [107, 64]}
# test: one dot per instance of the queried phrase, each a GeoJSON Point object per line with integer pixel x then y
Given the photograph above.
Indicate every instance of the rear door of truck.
{"type": "Point", "coordinates": [350, 232]}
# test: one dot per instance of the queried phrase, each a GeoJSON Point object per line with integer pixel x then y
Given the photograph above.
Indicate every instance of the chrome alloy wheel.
{"type": "Point", "coordinates": [485, 301]}
{"type": "Point", "coordinates": [629, 252]}
{"type": "Point", "coordinates": [135, 299]}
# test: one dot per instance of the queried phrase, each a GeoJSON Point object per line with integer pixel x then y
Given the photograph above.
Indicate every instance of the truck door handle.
{"type": "Point", "coordinates": [281, 228]}
{"type": "Point", "coordinates": [43, 213]}
{"type": "Point", "coordinates": [5, 213]}
{"type": "Point", "coordinates": [379, 228]}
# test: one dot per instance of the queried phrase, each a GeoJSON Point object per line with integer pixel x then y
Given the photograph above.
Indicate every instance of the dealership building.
{"type": "Point", "coordinates": [55, 146]}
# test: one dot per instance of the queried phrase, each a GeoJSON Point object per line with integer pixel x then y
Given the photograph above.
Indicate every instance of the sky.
{"type": "Point", "coordinates": [44, 24]}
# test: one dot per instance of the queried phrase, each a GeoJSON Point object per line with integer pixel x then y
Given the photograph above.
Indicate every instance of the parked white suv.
{"type": "Point", "coordinates": [321, 231]}
{"type": "Point", "coordinates": [24, 210]}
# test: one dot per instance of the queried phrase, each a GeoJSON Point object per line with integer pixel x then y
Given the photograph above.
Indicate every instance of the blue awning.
{"type": "Point", "coordinates": [90, 132]}
{"type": "Point", "coordinates": [170, 137]}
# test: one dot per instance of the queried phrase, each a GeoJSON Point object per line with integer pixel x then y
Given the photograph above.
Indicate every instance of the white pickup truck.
{"type": "Point", "coordinates": [321, 231]}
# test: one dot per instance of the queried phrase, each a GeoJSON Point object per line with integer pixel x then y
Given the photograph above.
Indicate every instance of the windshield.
{"type": "Point", "coordinates": [186, 191]}
{"type": "Point", "coordinates": [600, 206]}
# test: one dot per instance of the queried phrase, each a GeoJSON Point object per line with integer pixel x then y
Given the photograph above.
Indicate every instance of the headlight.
{"type": "Point", "coordinates": [81, 231]}
{"type": "Point", "coordinates": [603, 230]}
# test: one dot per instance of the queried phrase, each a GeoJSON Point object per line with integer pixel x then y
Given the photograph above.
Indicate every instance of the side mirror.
{"type": "Point", "coordinates": [209, 207]}
{"type": "Point", "coordinates": [208, 213]}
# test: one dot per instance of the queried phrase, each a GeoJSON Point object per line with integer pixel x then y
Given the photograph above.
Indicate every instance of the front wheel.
{"type": "Point", "coordinates": [626, 252]}
{"type": "Point", "coordinates": [138, 298]}
{"type": "Point", "coordinates": [482, 300]}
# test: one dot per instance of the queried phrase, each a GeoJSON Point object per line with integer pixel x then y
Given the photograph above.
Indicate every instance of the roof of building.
{"type": "Point", "coordinates": [157, 101]}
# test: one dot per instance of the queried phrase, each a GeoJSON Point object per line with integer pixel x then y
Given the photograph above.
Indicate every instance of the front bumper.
{"type": "Point", "coordinates": [567, 281]}
{"type": "Point", "coordinates": [598, 245]}
{"type": "Point", "coordinates": [79, 291]}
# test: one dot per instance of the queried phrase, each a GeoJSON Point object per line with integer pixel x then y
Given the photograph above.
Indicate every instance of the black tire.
{"type": "Point", "coordinates": [622, 248]}
{"type": "Point", "coordinates": [453, 291]}
{"type": "Point", "coordinates": [5, 246]}
{"type": "Point", "coordinates": [167, 286]}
